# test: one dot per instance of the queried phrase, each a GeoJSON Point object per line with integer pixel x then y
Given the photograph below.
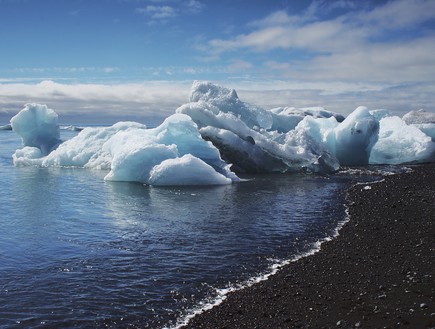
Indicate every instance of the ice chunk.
{"type": "Point", "coordinates": [37, 126]}
{"type": "Point", "coordinates": [401, 143]}
{"type": "Point", "coordinates": [86, 149]}
{"type": "Point", "coordinates": [6, 127]}
{"type": "Point", "coordinates": [287, 118]}
{"type": "Point", "coordinates": [380, 113]}
{"type": "Point", "coordinates": [355, 137]}
{"type": "Point", "coordinates": [250, 147]}
{"type": "Point", "coordinates": [130, 151]}
{"type": "Point", "coordinates": [133, 164]}
{"type": "Point", "coordinates": [227, 101]}
{"type": "Point", "coordinates": [187, 170]}
{"type": "Point", "coordinates": [245, 155]}
{"type": "Point", "coordinates": [425, 121]}
{"type": "Point", "coordinates": [315, 140]}
{"type": "Point", "coordinates": [427, 128]}
{"type": "Point", "coordinates": [419, 117]}
{"type": "Point", "coordinates": [135, 152]}
{"type": "Point", "coordinates": [27, 156]}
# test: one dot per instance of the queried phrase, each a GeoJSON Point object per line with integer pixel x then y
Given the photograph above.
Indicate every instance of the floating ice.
{"type": "Point", "coordinates": [216, 134]}
{"type": "Point", "coordinates": [419, 117]}
{"type": "Point", "coordinates": [130, 152]}
{"type": "Point", "coordinates": [425, 121]}
{"type": "Point", "coordinates": [37, 126]}
{"type": "Point", "coordinates": [6, 127]}
{"type": "Point", "coordinates": [401, 143]}
{"type": "Point", "coordinates": [355, 137]}
{"type": "Point", "coordinates": [187, 170]}
{"type": "Point", "coordinates": [27, 156]}
{"type": "Point", "coordinates": [287, 118]}
{"type": "Point", "coordinates": [244, 136]}
{"type": "Point", "coordinates": [226, 100]}
{"type": "Point", "coordinates": [134, 153]}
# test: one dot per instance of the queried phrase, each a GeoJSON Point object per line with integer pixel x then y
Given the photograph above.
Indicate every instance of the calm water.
{"type": "Point", "coordinates": [76, 251]}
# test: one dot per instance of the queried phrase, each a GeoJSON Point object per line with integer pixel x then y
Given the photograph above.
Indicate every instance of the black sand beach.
{"type": "Point", "coordinates": [378, 273]}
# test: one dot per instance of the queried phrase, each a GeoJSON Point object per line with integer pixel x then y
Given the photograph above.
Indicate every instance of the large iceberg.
{"type": "Point", "coordinates": [216, 136]}
{"type": "Point", "coordinates": [131, 152]}
{"type": "Point", "coordinates": [244, 134]}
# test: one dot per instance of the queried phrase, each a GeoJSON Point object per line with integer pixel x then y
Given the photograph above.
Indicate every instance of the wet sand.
{"type": "Point", "coordinates": [378, 273]}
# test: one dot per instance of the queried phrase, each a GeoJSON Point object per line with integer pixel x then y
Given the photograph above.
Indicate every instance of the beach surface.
{"type": "Point", "coordinates": [378, 273]}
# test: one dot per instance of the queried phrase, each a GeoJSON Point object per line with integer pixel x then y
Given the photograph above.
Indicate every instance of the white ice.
{"type": "Point", "coordinates": [287, 118]}
{"type": "Point", "coordinates": [401, 143]}
{"type": "Point", "coordinates": [130, 152]}
{"type": "Point", "coordinates": [37, 126]}
{"type": "Point", "coordinates": [216, 134]}
{"type": "Point", "coordinates": [423, 120]}
{"type": "Point", "coordinates": [355, 137]}
{"type": "Point", "coordinates": [187, 170]}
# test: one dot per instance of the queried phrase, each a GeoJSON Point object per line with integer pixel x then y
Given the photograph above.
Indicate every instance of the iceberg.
{"type": "Point", "coordinates": [130, 151]}
{"type": "Point", "coordinates": [419, 117]}
{"type": "Point", "coordinates": [245, 137]}
{"type": "Point", "coordinates": [400, 143]}
{"type": "Point", "coordinates": [37, 126]}
{"type": "Point", "coordinates": [423, 120]}
{"type": "Point", "coordinates": [287, 118]}
{"type": "Point", "coordinates": [216, 136]}
{"type": "Point", "coordinates": [355, 137]}
{"type": "Point", "coordinates": [134, 153]}
{"type": "Point", "coordinates": [226, 101]}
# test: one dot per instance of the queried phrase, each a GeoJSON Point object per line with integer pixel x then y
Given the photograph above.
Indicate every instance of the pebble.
{"type": "Point", "coordinates": [360, 267]}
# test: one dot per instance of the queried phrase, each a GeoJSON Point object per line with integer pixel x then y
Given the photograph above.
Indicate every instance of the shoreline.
{"type": "Point", "coordinates": [378, 272]}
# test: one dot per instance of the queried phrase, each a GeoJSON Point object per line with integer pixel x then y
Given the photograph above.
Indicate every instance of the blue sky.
{"type": "Point", "coordinates": [137, 58]}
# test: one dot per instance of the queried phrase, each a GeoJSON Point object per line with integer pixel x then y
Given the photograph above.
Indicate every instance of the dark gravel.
{"type": "Point", "coordinates": [378, 273]}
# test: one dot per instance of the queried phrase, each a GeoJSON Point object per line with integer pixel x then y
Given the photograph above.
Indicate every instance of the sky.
{"type": "Point", "coordinates": [111, 60]}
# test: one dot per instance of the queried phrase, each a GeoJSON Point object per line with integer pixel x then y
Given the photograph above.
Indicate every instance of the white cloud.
{"type": "Point", "coordinates": [157, 12]}
{"type": "Point", "coordinates": [194, 6]}
{"type": "Point", "coordinates": [393, 63]}
{"type": "Point", "coordinates": [380, 57]}
{"type": "Point", "coordinates": [163, 12]}
{"type": "Point", "coordinates": [403, 14]}
{"type": "Point", "coordinates": [157, 98]}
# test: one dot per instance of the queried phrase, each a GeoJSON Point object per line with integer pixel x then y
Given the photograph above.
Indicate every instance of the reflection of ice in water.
{"type": "Point", "coordinates": [150, 208]}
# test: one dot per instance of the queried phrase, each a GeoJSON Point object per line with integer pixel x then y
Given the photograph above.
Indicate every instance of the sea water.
{"type": "Point", "coordinates": [78, 251]}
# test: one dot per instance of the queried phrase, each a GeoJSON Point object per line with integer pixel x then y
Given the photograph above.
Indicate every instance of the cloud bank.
{"type": "Point", "coordinates": [142, 100]}
{"type": "Point", "coordinates": [159, 99]}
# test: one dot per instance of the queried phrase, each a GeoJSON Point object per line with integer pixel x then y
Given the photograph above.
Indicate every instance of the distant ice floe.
{"type": "Point", "coordinates": [216, 135]}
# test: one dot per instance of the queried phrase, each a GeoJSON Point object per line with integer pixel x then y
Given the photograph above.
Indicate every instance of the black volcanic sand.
{"type": "Point", "coordinates": [378, 273]}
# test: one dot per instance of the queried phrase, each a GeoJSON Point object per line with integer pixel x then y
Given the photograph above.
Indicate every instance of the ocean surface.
{"type": "Point", "coordinates": [76, 251]}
